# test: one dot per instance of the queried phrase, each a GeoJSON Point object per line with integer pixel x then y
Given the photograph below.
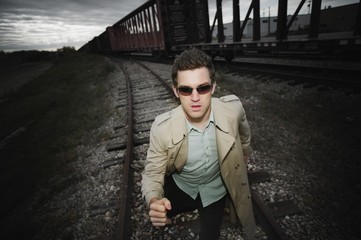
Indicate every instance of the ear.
{"type": "Point", "coordinates": [175, 91]}
{"type": "Point", "coordinates": [214, 85]}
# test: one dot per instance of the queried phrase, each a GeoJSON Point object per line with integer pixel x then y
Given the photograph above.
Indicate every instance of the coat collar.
{"type": "Point", "coordinates": [179, 133]}
{"type": "Point", "coordinates": [179, 125]}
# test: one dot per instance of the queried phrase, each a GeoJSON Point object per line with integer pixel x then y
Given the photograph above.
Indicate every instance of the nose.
{"type": "Point", "coordinates": [195, 95]}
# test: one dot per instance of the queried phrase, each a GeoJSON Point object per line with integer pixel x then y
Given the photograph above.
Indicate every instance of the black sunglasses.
{"type": "Point", "coordinates": [187, 91]}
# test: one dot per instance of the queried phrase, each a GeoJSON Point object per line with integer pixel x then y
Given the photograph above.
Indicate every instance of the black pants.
{"type": "Point", "coordinates": [210, 216]}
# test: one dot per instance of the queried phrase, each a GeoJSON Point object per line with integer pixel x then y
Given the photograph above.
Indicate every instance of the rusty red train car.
{"type": "Point", "coordinates": [155, 27]}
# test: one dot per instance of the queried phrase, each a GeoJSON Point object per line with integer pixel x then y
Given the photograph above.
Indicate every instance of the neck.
{"type": "Point", "coordinates": [202, 122]}
{"type": "Point", "coordinates": [201, 125]}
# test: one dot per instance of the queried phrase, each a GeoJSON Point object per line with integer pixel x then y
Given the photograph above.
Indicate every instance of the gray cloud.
{"type": "Point", "coordinates": [43, 24]}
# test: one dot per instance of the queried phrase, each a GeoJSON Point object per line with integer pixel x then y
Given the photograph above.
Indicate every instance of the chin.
{"type": "Point", "coordinates": [196, 116]}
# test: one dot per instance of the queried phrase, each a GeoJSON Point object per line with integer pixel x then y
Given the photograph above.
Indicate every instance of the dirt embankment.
{"type": "Point", "coordinates": [15, 76]}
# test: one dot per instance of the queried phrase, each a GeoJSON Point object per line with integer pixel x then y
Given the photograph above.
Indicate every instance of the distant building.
{"type": "Point", "coordinates": [336, 19]}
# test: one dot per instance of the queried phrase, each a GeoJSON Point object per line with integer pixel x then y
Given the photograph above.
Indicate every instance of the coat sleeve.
{"type": "Point", "coordinates": [155, 166]}
{"type": "Point", "coordinates": [244, 132]}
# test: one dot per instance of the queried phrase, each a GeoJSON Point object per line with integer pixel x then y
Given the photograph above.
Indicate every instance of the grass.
{"type": "Point", "coordinates": [58, 108]}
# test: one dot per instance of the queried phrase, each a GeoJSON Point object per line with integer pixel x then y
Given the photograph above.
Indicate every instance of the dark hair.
{"type": "Point", "coordinates": [192, 59]}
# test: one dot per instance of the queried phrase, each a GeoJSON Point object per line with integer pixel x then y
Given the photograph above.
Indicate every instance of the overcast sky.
{"type": "Point", "coordinates": [52, 24]}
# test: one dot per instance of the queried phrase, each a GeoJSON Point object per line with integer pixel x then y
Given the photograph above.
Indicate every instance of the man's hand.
{"type": "Point", "coordinates": [158, 211]}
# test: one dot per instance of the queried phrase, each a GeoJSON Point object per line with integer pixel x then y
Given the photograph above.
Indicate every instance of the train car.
{"type": "Point", "coordinates": [158, 25]}
{"type": "Point", "coordinates": [94, 45]}
{"type": "Point", "coordinates": [99, 44]}
{"type": "Point", "coordinates": [103, 41]}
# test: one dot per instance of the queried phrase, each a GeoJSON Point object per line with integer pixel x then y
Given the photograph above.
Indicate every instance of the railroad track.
{"type": "Point", "coordinates": [143, 96]}
{"type": "Point", "coordinates": [146, 97]}
{"type": "Point", "coordinates": [339, 75]}
{"type": "Point", "coordinates": [311, 72]}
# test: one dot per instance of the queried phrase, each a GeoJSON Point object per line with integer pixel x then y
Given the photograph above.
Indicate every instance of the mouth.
{"type": "Point", "coordinates": [196, 107]}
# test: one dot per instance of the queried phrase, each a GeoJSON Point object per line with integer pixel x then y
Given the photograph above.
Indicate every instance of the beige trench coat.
{"type": "Point", "coordinates": [169, 148]}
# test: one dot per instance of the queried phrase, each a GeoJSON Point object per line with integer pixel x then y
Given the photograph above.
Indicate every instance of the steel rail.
{"type": "Point", "coordinates": [265, 218]}
{"type": "Point", "coordinates": [123, 229]}
{"type": "Point", "coordinates": [164, 83]}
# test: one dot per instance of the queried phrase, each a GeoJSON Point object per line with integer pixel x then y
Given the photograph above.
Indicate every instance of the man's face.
{"type": "Point", "coordinates": [193, 95]}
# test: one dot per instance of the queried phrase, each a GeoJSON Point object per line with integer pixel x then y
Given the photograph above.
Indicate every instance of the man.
{"type": "Point", "coordinates": [197, 152]}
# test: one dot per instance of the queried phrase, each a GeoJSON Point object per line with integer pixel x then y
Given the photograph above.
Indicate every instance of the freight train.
{"type": "Point", "coordinates": [166, 27]}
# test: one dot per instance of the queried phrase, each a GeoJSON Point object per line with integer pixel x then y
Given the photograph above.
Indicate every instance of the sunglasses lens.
{"type": "Point", "coordinates": [185, 91]}
{"type": "Point", "coordinates": [204, 89]}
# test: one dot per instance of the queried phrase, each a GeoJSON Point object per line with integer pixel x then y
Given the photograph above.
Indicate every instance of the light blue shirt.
{"type": "Point", "coordinates": [201, 174]}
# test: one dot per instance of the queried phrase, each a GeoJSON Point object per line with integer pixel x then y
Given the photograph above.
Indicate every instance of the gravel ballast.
{"type": "Point", "coordinates": [308, 139]}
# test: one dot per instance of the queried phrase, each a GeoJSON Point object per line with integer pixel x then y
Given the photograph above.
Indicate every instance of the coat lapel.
{"type": "Point", "coordinates": [224, 143]}
{"type": "Point", "coordinates": [224, 140]}
{"type": "Point", "coordinates": [179, 139]}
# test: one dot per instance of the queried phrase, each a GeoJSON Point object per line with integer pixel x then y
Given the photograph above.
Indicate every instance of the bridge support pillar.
{"type": "Point", "coordinates": [282, 20]}
{"type": "Point", "coordinates": [236, 22]}
{"type": "Point", "coordinates": [315, 18]}
{"type": "Point", "coordinates": [220, 21]}
{"type": "Point", "coordinates": [256, 21]}
{"type": "Point", "coordinates": [357, 30]}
